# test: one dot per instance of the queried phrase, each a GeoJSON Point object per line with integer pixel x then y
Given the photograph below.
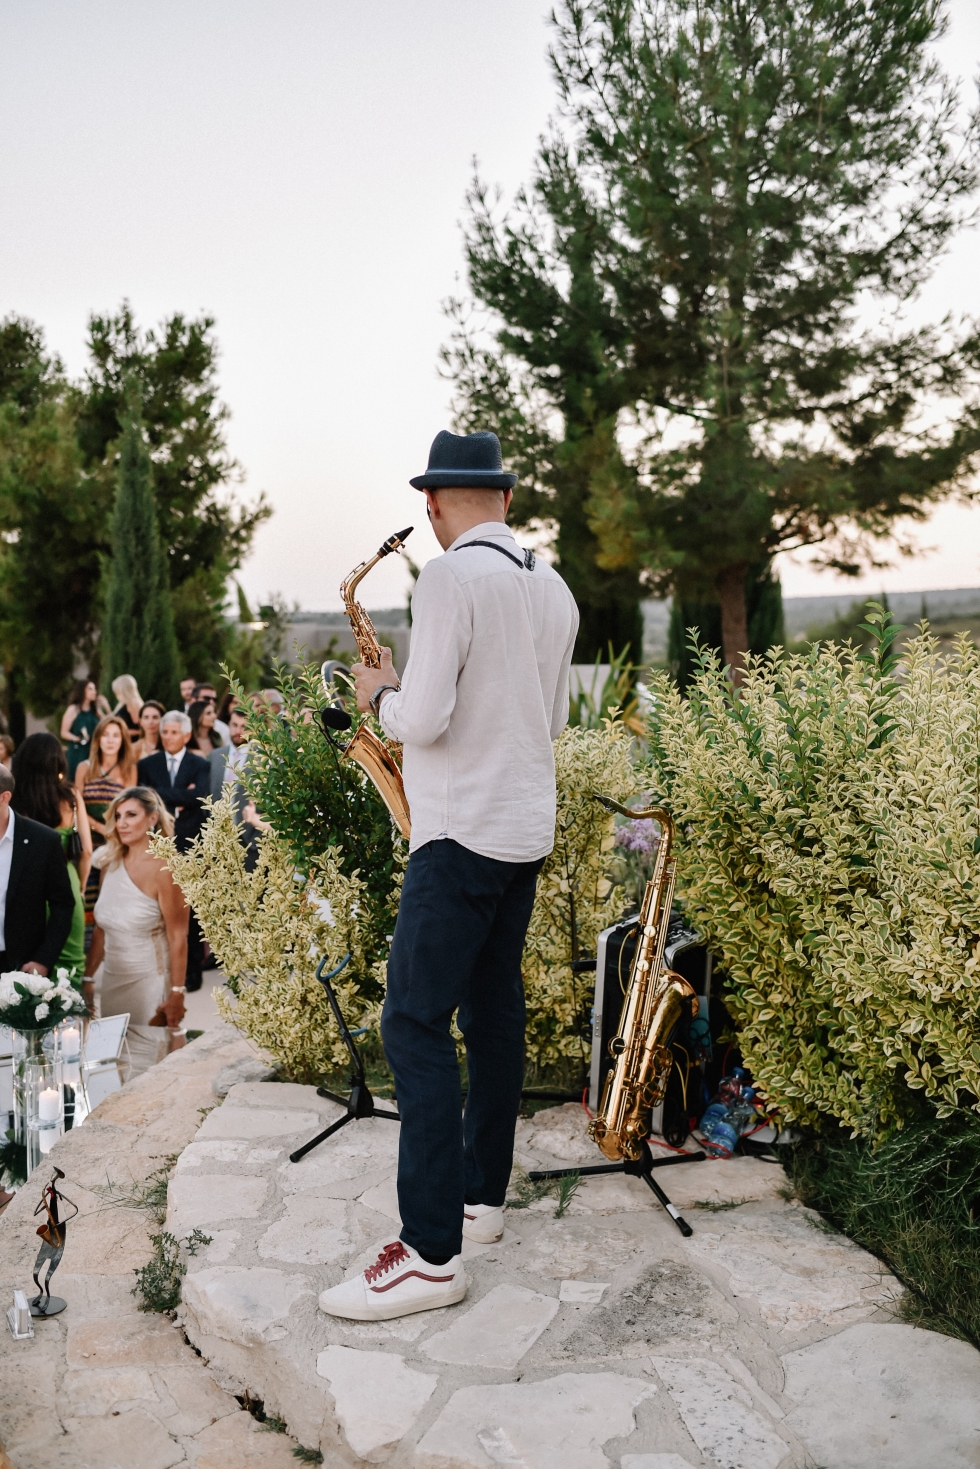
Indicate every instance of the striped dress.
{"type": "Point", "coordinates": [97, 795]}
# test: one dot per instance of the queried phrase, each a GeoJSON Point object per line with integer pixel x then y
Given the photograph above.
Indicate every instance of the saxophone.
{"type": "Point", "coordinates": [655, 1001]}
{"type": "Point", "coordinates": [375, 757]}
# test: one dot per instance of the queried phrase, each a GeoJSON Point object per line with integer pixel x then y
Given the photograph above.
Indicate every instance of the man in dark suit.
{"type": "Point", "coordinates": [36, 901]}
{"type": "Point", "coordinates": [181, 778]}
{"type": "Point", "coordinates": [183, 782]}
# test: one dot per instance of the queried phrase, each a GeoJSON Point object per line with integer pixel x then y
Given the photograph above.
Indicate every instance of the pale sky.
{"type": "Point", "coordinates": [298, 171]}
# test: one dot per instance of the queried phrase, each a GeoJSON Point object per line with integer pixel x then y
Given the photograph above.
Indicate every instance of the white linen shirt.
{"type": "Point", "coordinates": [484, 694]}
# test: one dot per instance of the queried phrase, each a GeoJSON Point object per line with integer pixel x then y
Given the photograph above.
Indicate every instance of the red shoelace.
{"type": "Point", "coordinates": [390, 1256]}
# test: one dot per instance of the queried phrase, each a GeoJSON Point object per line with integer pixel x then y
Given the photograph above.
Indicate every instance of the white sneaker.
{"type": "Point", "coordinates": [483, 1223]}
{"type": "Point", "coordinates": [397, 1284]}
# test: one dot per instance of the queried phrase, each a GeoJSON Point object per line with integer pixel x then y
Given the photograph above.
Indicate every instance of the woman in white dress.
{"type": "Point", "coordinates": [140, 936]}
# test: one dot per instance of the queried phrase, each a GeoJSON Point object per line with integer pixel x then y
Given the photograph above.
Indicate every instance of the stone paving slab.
{"type": "Point", "coordinates": [596, 1340]}
{"type": "Point", "coordinates": [104, 1386]}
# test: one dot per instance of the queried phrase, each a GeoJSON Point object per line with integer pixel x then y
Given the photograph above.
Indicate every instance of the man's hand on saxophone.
{"type": "Point", "coordinates": [371, 684]}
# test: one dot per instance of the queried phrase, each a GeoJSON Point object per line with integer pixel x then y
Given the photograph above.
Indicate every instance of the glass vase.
{"type": "Point", "coordinates": [44, 1105]}
{"type": "Point", "coordinates": [70, 1051]}
{"type": "Point", "coordinates": [28, 1047]}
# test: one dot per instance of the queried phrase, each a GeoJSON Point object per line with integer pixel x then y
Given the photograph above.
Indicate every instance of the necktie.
{"type": "Point", "coordinates": [172, 767]}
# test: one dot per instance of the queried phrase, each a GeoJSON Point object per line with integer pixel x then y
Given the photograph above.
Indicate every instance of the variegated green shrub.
{"type": "Point", "coordinates": [829, 836]}
{"type": "Point", "coordinates": [268, 929]}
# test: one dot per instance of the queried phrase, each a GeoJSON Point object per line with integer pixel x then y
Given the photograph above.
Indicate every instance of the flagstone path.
{"type": "Point", "coordinates": [600, 1340]}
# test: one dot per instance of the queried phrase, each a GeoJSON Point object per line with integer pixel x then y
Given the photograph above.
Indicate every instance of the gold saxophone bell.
{"type": "Point", "coordinates": [656, 1002]}
{"type": "Point", "coordinates": [375, 756]}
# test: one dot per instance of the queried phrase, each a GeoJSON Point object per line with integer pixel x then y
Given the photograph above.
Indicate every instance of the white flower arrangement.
{"type": "Point", "coordinates": [36, 1001]}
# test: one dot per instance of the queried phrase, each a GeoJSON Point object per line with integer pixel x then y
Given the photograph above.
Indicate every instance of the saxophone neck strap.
{"type": "Point", "coordinates": [527, 563]}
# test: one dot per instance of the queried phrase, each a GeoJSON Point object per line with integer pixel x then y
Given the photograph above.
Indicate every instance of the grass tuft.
{"type": "Point", "coordinates": [565, 1190]}
{"type": "Point", "coordinates": [307, 1456]}
{"type": "Point", "coordinates": [148, 1193]}
{"type": "Point", "coordinates": [719, 1206]}
{"type": "Point", "coordinates": [526, 1192]}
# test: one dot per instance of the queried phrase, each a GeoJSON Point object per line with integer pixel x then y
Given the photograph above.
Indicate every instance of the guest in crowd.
{"type": "Point", "coordinates": [140, 935]}
{"type": "Point", "coordinates": [229, 757]}
{"type": "Point", "coordinates": [36, 903]}
{"type": "Point", "coordinates": [130, 703]}
{"type": "Point", "coordinates": [43, 793]}
{"type": "Point", "coordinates": [87, 707]}
{"type": "Point", "coordinates": [111, 767]}
{"type": "Point", "coordinates": [271, 700]}
{"type": "Point", "coordinates": [7, 748]}
{"type": "Point", "coordinates": [206, 742]}
{"type": "Point", "coordinates": [208, 693]}
{"type": "Point", "coordinates": [204, 737]}
{"type": "Point", "coordinates": [228, 703]}
{"type": "Point", "coordinates": [150, 715]}
{"type": "Point", "coordinates": [187, 687]}
{"type": "Point", "coordinates": [183, 782]}
{"type": "Point", "coordinates": [236, 750]}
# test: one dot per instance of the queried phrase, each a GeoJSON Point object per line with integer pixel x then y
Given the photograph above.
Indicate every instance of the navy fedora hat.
{"type": "Point", "coordinates": [464, 461]}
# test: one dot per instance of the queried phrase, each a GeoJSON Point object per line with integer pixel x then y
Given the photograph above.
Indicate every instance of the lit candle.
{"type": "Point", "coordinates": [49, 1105]}
{"type": "Point", "coordinates": [71, 1043]}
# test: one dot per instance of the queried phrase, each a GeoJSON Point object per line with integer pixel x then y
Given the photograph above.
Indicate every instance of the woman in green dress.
{"type": "Point", "coordinates": [87, 707]}
{"type": "Point", "coordinates": [43, 793]}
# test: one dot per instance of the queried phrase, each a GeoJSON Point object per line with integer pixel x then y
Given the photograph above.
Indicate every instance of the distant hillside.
{"type": "Point", "coordinates": [316, 629]}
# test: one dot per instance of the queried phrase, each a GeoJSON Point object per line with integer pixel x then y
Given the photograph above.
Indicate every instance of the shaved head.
{"type": "Point", "coordinates": [489, 503]}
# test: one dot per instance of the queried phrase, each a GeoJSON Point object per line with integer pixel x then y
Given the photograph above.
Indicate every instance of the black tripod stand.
{"type": "Point", "coordinates": [642, 1168]}
{"type": "Point", "coordinates": [360, 1103]}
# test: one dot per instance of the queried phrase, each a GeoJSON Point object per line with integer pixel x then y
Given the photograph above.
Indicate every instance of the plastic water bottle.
{"type": "Point", "coordinates": [727, 1117]}
{"type": "Point", "coordinates": [712, 1116]}
{"type": "Point", "coordinates": [721, 1143]}
{"type": "Point", "coordinates": [742, 1111]}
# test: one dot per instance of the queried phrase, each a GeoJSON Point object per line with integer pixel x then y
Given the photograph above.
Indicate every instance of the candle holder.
{"type": "Point", "coordinates": [45, 1106]}
{"type": "Point", "coordinates": [28, 1047]}
{"type": "Point", "coordinates": [70, 1052]}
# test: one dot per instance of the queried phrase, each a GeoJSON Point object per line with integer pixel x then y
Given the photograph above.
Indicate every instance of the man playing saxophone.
{"type": "Point", "coordinates": [484, 695]}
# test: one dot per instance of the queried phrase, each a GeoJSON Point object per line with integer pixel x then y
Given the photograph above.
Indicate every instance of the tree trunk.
{"type": "Point", "coordinates": [730, 585]}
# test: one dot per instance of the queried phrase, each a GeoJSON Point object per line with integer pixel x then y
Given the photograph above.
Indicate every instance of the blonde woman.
{"type": "Point", "coordinates": [130, 703]}
{"type": "Point", "coordinates": [139, 944]}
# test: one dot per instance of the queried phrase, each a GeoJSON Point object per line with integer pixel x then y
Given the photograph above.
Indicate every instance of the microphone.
{"type": "Point", "coordinates": [332, 718]}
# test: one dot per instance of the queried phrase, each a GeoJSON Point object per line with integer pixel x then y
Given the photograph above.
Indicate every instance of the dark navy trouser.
{"type": "Point", "coordinates": [457, 946]}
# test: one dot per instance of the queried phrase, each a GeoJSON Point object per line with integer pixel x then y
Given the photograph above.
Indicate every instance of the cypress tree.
{"type": "Point", "coordinates": [138, 633]}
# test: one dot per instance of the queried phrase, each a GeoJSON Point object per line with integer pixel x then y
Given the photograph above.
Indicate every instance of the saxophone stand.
{"type": "Point", "coordinates": [360, 1103]}
{"type": "Point", "coordinates": [641, 1167]}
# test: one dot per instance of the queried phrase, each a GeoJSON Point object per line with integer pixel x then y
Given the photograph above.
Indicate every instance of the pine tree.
{"type": "Point", "coordinates": [731, 186]}
{"type": "Point", "coordinates": [138, 632]}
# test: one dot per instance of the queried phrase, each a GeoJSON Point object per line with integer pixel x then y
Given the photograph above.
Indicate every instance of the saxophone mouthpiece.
{"type": "Point", "coordinates": [395, 542]}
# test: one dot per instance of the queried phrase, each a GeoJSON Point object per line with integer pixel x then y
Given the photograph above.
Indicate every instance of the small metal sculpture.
{"type": "Point", "coordinates": [52, 1233]}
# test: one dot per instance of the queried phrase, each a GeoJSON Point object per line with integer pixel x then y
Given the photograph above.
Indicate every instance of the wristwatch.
{"type": "Point", "coordinates": [178, 989]}
{"type": "Point", "coordinates": [375, 699]}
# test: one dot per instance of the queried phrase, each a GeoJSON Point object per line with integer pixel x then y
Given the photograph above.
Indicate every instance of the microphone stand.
{"type": "Point", "coordinates": [360, 1102]}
